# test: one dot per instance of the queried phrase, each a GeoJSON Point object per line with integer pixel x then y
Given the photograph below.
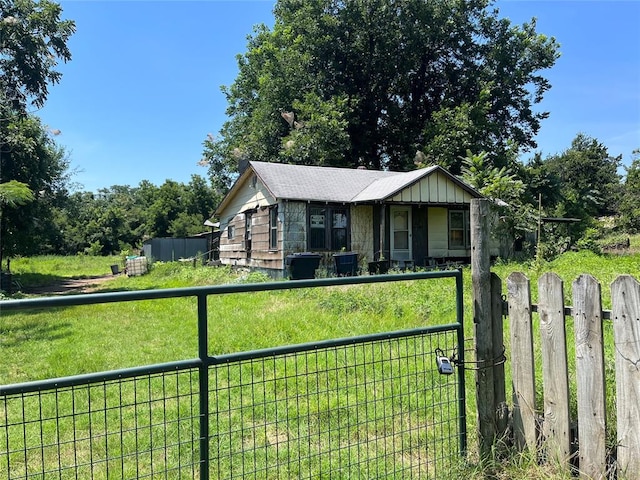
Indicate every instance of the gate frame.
{"type": "Point", "coordinates": [204, 361]}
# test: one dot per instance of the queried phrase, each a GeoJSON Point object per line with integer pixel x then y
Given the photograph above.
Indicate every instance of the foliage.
{"type": "Point", "coordinates": [122, 217]}
{"type": "Point", "coordinates": [369, 83]}
{"type": "Point", "coordinates": [32, 39]}
{"type": "Point", "coordinates": [590, 184]}
{"type": "Point", "coordinates": [14, 193]}
{"type": "Point", "coordinates": [30, 156]}
{"type": "Point", "coordinates": [629, 219]}
{"type": "Point", "coordinates": [506, 190]}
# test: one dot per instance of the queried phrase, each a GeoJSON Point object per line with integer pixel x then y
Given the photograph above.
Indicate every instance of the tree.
{"type": "Point", "coordinates": [630, 199]}
{"type": "Point", "coordinates": [370, 83]}
{"type": "Point", "coordinates": [32, 40]}
{"type": "Point", "coordinates": [30, 156]}
{"type": "Point", "coordinates": [503, 187]}
{"type": "Point", "coordinates": [14, 194]}
{"type": "Point", "coordinates": [590, 183]}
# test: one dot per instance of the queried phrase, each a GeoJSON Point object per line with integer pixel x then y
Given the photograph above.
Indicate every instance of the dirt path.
{"type": "Point", "coordinates": [72, 285]}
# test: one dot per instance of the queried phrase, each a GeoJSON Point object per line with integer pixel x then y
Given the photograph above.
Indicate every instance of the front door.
{"type": "Point", "coordinates": [401, 234]}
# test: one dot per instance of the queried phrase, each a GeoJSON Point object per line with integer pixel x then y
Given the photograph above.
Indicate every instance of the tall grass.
{"type": "Point", "coordinates": [63, 341]}
{"type": "Point", "coordinates": [66, 341]}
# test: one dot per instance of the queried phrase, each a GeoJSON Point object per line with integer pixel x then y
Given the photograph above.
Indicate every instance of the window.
{"type": "Point", "coordinates": [273, 228]}
{"type": "Point", "coordinates": [328, 227]}
{"type": "Point", "coordinates": [231, 231]}
{"type": "Point", "coordinates": [459, 229]}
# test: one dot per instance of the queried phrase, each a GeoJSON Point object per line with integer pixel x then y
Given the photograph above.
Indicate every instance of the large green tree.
{"type": "Point", "coordinates": [30, 156]}
{"type": "Point", "coordinates": [33, 39]}
{"type": "Point", "coordinates": [372, 82]}
{"type": "Point", "coordinates": [589, 180]}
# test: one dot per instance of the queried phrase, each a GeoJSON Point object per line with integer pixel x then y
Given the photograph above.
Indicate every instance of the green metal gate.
{"type": "Point", "coordinates": [371, 406]}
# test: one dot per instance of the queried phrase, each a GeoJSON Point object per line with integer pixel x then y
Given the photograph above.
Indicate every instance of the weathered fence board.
{"type": "Point", "coordinates": [625, 293]}
{"type": "Point", "coordinates": [522, 364]}
{"type": "Point", "coordinates": [587, 314]}
{"type": "Point", "coordinates": [555, 377]}
{"type": "Point", "coordinates": [595, 461]}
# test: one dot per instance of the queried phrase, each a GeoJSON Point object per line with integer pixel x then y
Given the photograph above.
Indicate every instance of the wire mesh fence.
{"type": "Point", "coordinates": [125, 428]}
{"type": "Point", "coordinates": [372, 406]}
{"type": "Point", "coordinates": [377, 409]}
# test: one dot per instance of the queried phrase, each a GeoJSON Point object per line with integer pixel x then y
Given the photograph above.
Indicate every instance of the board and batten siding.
{"type": "Point", "coordinates": [435, 188]}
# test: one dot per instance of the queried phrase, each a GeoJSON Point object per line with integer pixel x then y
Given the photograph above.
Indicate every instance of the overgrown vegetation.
{"type": "Point", "coordinates": [303, 95]}
{"type": "Point", "coordinates": [74, 340]}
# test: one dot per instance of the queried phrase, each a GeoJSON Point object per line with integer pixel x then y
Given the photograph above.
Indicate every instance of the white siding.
{"type": "Point", "coordinates": [248, 196]}
{"type": "Point", "coordinates": [436, 188]}
{"type": "Point", "coordinates": [438, 232]}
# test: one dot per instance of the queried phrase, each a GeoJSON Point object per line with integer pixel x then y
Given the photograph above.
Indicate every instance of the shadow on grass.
{"type": "Point", "coordinates": [32, 280]}
{"type": "Point", "coordinates": [33, 330]}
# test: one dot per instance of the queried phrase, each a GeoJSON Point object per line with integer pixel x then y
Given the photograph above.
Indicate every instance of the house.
{"type": "Point", "coordinates": [410, 218]}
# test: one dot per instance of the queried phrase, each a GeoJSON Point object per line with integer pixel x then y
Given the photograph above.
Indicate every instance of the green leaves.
{"type": "Point", "coordinates": [14, 194]}
{"type": "Point", "coordinates": [375, 81]}
{"type": "Point", "coordinates": [32, 39]}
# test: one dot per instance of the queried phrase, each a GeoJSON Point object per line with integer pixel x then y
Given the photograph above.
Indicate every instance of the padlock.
{"type": "Point", "coordinates": [444, 365]}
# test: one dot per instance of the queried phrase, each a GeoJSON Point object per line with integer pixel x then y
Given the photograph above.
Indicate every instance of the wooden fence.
{"type": "Point", "coordinates": [601, 358]}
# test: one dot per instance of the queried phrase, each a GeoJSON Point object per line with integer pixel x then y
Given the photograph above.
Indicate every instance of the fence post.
{"type": "Point", "coordinates": [203, 378]}
{"type": "Point", "coordinates": [625, 294]}
{"type": "Point", "coordinates": [482, 319]}
{"type": "Point", "coordinates": [555, 370]}
{"type": "Point", "coordinates": [522, 364]}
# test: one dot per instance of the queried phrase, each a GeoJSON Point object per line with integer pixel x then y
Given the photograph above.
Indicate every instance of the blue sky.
{"type": "Point", "coordinates": [143, 88]}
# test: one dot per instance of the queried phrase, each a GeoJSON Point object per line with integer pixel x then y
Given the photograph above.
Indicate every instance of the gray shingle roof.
{"type": "Point", "coordinates": [322, 184]}
{"type": "Point", "coordinates": [330, 184]}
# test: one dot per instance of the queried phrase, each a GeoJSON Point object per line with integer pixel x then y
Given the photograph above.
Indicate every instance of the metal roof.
{"type": "Point", "coordinates": [383, 188]}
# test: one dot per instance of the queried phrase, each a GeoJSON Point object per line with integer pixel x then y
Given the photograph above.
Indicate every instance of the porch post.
{"type": "Point", "coordinates": [383, 216]}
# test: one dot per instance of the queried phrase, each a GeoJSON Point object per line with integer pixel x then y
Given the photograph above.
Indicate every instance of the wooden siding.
{"type": "Point", "coordinates": [362, 232]}
{"type": "Point", "coordinates": [249, 196]}
{"type": "Point", "coordinates": [233, 251]}
{"type": "Point", "coordinates": [435, 188]}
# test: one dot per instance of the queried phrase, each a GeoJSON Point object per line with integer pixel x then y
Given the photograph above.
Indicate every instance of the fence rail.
{"type": "Point", "coordinates": [372, 406]}
{"type": "Point", "coordinates": [606, 363]}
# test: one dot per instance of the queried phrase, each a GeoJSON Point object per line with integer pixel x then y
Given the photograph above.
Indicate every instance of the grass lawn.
{"type": "Point", "coordinates": [73, 340]}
